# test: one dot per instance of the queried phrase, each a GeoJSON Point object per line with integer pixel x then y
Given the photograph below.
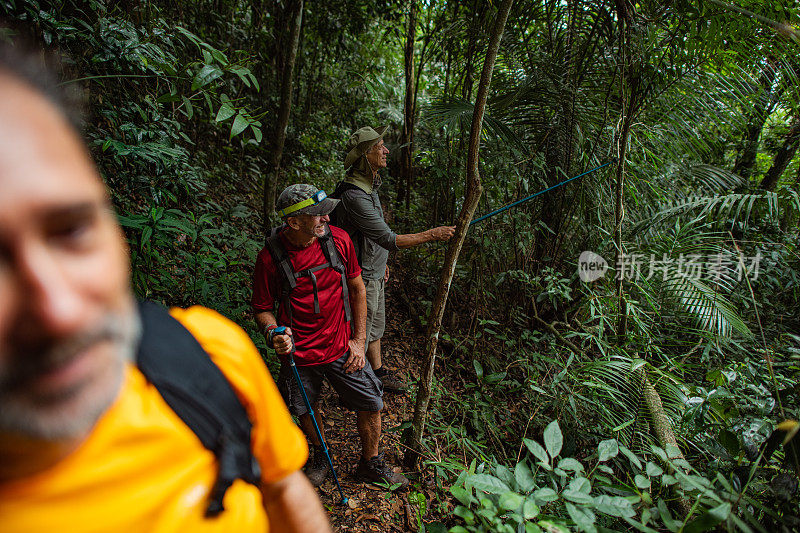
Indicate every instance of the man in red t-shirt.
{"type": "Point", "coordinates": [316, 312]}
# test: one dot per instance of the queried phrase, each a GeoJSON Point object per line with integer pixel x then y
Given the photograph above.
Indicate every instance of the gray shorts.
{"type": "Point", "coordinates": [376, 308]}
{"type": "Point", "coordinates": [358, 391]}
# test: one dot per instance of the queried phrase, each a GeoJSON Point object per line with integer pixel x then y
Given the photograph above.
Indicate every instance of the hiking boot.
{"type": "Point", "coordinates": [317, 468]}
{"type": "Point", "coordinates": [392, 382]}
{"type": "Point", "coordinates": [377, 471]}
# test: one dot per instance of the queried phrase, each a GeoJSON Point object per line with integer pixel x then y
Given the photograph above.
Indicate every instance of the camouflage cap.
{"type": "Point", "coordinates": [360, 141]}
{"type": "Point", "coordinates": [304, 199]}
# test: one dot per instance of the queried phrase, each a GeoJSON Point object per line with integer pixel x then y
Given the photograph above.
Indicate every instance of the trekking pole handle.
{"type": "Point", "coordinates": [281, 330]}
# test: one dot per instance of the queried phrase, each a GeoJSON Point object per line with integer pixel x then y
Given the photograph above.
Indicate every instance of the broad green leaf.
{"type": "Point", "coordinates": [583, 518]}
{"type": "Point", "coordinates": [545, 494]}
{"type": "Point", "coordinates": [240, 123]}
{"type": "Point", "coordinates": [660, 453]}
{"type": "Point", "coordinates": [631, 456]}
{"type": "Point", "coordinates": [189, 107]}
{"type": "Point", "coordinates": [552, 527]}
{"type": "Point", "coordinates": [581, 484]}
{"type": "Point", "coordinates": [553, 439]}
{"type": "Point", "coordinates": [435, 527]}
{"type": "Point", "coordinates": [256, 133]}
{"type": "Point", "coordinates": [243, 73]}
{"type": "Point", "coordinates": [510, 501]}
{"type": "Point", "coordinates": [577, 497]}
{"type": "Point", "coordinates": [206, 75]}
{"type": "Point", "coordinates": [568, 463]}
{"type": "Point", "coordinates": [524, 477]}
{"type": "Point", "coordinates": [478, 368]}
{"type": "Point", "coordinates": [488, 483]}
{"type": "Point", "coordinates": [464, 513]}
{"type": "Point", "coordinates": [605, 468]}
{"type": "Point", "coordinates": [653, 470]}
{"type": "Point", "coordinates": [673, 452]}
{"type": "Point", "coordinates": [641, 481]}
{"type": "Point", "coordinates": [225, 112]}
{"type": "Point", "coordinates": [607, 449]}
{"type": "Point", "coordinates": [505, 475]}
{"type": "Point", "coordinates": [666, 517]}
{"type": "Point", "coordinates": [530, 509]}
{"type": "Point", "coordinates": [668, 480]}
{"type": "Point", "coordinates": [614, 506]}
{"type": "Point", "coordinates": [461, 494]}
{"type": "Point", "coordinates": [537, 450]}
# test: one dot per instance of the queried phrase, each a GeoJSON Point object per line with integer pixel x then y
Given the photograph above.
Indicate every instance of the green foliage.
{"type": "Point", "coordinates": [612, 488]}
{"type": "Point", "coordinates": [182, 105]}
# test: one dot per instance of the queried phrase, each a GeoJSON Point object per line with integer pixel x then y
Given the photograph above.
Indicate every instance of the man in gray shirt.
{"type": "Point", "coordinates": [360, 214]}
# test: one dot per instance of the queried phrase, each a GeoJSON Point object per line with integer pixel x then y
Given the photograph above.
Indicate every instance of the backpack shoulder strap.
{"type": "Point", "coordinates": [341, 188]}
{"type": "Point", "coordinates": [200, 394]}
{"type": "Point", "coordinates": [333, 257]}
{"type": "Point", "coordinates": [283, 264]}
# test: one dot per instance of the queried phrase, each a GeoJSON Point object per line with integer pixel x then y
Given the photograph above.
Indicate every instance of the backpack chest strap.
{"type": "Point", "coordinates": [311, 273]}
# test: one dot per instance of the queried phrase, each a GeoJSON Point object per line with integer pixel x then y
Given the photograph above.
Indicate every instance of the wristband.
{"type": "Point", "coordinates": [269, 334]}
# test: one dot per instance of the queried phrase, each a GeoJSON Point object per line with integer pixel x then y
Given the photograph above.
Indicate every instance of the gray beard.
{"type": "Point", "coordinates": [46, 417]}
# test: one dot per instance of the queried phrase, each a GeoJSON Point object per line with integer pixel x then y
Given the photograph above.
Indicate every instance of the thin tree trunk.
{"type": "Point", "coordinates": [756, 120]}
{"type": "Point", "coordinates": [271, 183]}
{"type": "Point", "coordinates": [473, 194]}
{"type": "Point", "coordinates": [782, 159]}
{"type": "Point", "coordinates": [627, 93]}
{"type": "Point", "coordinates": [409, 109]}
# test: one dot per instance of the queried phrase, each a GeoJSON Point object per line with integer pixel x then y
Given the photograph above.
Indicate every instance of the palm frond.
{"type": "Point", "coordinates": [729, 206]}
{"type": "Point", "coordinates": [710, 309]}
{"type": "Point", "coordinates": [456, 114]}
{"type": "Point", "coordinates": [617, 395]}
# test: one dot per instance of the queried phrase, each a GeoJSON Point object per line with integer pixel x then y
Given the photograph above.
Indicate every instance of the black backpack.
{"type": "Point", "coordinates": [289, 277]}
{"type": "Point", "coordinates": [200, 394]}
{"type": "Point", "coordinates": [340, 220]}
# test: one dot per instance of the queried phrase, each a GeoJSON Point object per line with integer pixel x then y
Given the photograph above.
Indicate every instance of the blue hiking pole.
{"type": "Point", "coordinates": [279, 331]}
{"type": "Point", "coordinates": [532, 196]}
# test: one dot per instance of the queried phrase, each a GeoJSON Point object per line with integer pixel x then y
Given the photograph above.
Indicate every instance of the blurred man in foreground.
{"type": "Point", "coordinates": [87, 442]}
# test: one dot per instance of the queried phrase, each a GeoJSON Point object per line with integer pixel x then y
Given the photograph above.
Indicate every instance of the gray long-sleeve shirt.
{"type": "Point", "coordinates": [360, 214]}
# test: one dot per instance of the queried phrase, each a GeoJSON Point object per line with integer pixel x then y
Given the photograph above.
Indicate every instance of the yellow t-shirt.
{"type": "Point", "coordinates": [142, 469]}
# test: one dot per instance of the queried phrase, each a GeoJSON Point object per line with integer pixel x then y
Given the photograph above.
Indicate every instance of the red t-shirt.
{"type": "Point", "coordinates": [319, 338]}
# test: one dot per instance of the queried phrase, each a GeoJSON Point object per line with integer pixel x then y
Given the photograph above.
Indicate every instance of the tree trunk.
{"type": "Point", "coordinates": [271, 183]}
{"type": "Point", "coordinates": [756, 119]}
{"type": "Point", "coordinates": [627, 95]}
{"type": "Point", "coordinates": [409, 109]}
{"type": "Point", "coordinates": [782, 159]}
{"type": "Point", "coordinates": [661, 425]}
{"type": "Point", "coordinates": [473, 194]}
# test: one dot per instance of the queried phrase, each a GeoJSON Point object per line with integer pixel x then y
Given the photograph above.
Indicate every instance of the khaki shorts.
{"type": "Point", "coordinates": [376, 309]}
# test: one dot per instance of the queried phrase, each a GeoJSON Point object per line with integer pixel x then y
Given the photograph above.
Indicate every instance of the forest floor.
{"type": "Point", "coordinates": [371, 507]}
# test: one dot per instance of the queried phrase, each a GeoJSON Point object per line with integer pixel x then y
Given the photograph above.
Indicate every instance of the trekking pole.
{"type": "Point", "coordinates": [278, 331]}
{"type": "Point", "coordinates": [534, 195]}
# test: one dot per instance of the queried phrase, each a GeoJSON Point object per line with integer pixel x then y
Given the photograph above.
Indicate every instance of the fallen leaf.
{"type": "Point", "coordinates": [367, 516]}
